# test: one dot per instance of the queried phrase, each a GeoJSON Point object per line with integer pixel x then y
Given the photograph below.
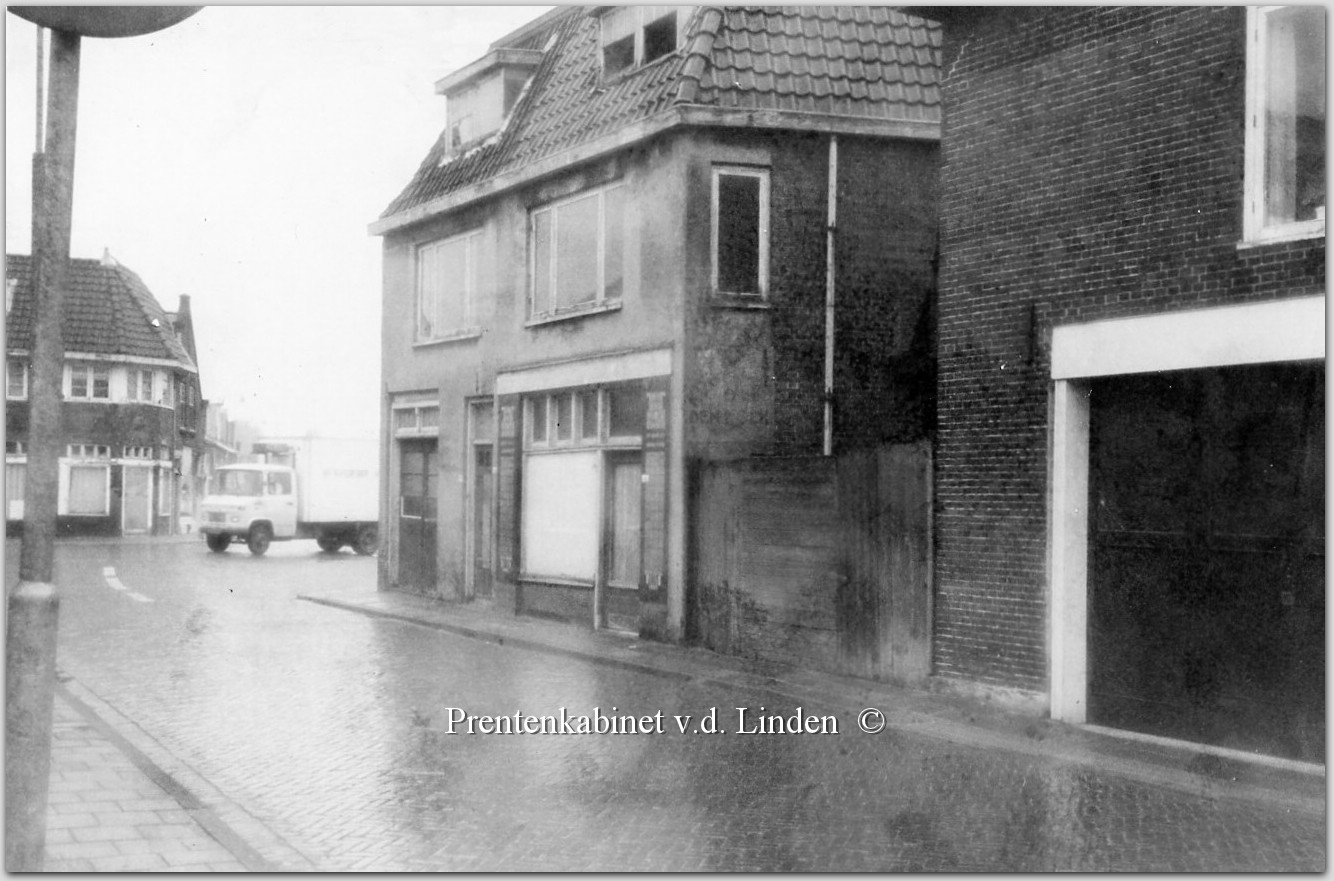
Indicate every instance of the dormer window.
{"type": "Point", "coordinates": [637, 35]}
{"type": "Point", "coordinates": [481, 95]}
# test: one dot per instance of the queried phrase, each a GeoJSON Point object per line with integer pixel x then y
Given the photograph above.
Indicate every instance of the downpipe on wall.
{"type": "Point", "coordinates": [830, 298]}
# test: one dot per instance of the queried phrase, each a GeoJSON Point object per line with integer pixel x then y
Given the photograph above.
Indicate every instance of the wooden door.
{"type": "Point", "coordinates": [417, 515]}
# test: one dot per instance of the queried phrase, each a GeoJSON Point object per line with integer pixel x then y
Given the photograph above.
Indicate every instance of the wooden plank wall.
{"type": "Point", "coordinates": [820, 562]}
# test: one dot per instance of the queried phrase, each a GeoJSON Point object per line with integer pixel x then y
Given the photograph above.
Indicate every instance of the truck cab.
{"type": "Point", "coordinates": [254, 503]}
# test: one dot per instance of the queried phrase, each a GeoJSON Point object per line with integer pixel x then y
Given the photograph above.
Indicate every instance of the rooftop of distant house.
{"type": "Point", "coordinates": [108, 311]}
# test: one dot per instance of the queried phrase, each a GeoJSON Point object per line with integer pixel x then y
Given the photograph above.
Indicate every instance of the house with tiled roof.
{"type": "Point", "coordinates": [649, 238]}
{"type": "Point", "coordinates": [131, 411]}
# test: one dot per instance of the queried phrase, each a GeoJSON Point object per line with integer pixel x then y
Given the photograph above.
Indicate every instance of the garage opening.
{"type": "Point", "coordinates": [1206, 576]}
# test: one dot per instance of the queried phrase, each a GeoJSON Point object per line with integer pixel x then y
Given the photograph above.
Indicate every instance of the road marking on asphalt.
{"type": "Point", "coordinates": [109, 573]}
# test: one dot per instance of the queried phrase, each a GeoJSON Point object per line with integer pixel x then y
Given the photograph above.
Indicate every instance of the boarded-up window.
{"type": "Point", "coordinates": [88, 490]}
{"type": "Point", "coordinates": [560, 516]}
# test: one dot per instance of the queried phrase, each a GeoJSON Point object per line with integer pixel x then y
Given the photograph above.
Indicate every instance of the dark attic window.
{"type": "Point", "coordinates": [637, 35]}
{"type": "Point", "coordinates": [660, 37]}
{"type": "Point", "coordinates": [619, 55]}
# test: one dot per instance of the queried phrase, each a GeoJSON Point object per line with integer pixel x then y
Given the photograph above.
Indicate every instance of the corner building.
{"type": "Point", "coordinates": [614, 265]}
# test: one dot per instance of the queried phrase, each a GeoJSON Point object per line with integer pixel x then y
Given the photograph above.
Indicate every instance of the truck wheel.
{"type": "Point", "coordinates": [367, 540]}
{"type": "Point", "coordinates": [329, 543]}
{"type": "Point", "coordinates": [218, 542]}
{"type": "Point", "coordinates": [259, 539]}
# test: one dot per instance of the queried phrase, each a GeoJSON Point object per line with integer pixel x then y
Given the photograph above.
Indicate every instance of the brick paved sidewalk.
{"type": "Point", "coordinates": [119, 802]}
{"type": "Point", "coordinates": [105, 814]}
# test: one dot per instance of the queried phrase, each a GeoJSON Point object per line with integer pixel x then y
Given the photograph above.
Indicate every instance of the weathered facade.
{"type": "Point", "coordinates": [635, 268]}
{"type": "Point", "coordinates": [1130, 466]}
{"type": "Point", "coordinates": [132, 416]}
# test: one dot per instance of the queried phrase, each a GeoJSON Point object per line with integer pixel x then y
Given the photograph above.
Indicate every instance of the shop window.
{"type": "Point", "coordinates": [577, 252]}
{"type": "Point", "coordinates": [740, 232]}
{"type": "Point", "coordinates": [88, 491]}
{"type": "Point", "coordinates": [1285, 131]}
{"type": "Point", "coordinates": [447, 288]}
{"type": "Point", "coordinates": [582, 485]}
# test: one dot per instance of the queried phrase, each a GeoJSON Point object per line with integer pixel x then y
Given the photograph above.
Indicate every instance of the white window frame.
{"type": "Point", "coordinates": [762, 174]}
{"type": "Point", "coordinates": [468, 327]}
{"type": "Point", "coordinates": [68, 488]}
{"type": "Point", "coordinates": [22, 374]}
{"type": "Point", "coordinates": [89, 373]}
{"type": "Point", "coordinates": [415, 419]}
{"type": "Point", "coordinates": [1255, 229]}
{"type": "Point", "coordinates": [600, 300]}
{"type": "Point", "coordinates": [15, 490]}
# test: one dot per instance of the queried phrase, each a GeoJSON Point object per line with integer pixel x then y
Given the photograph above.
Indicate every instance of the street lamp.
{"type": "Point", "coordinates": [33, 604]}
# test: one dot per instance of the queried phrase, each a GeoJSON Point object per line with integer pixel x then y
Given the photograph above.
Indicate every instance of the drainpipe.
{"type": "Point", "coordinates": [829, 298]}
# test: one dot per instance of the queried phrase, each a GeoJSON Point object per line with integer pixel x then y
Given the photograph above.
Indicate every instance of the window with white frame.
{"type": "Point", "coordinates": [1285, 124]}
{"type": "Point", "coordinates": [89, 382]}
{"type": "Point", "coordinates": [581, 484]}
{"type": "Point", "coordinates": [16, 379]}
{"type": "Point", "coordinates": [416, 420]}
{"type": "Point", "coordinates": [577, 248]}
{"type": "Point", "coordinates": [635, 35]}
{"type": "Point", "coordinates": [740, 231]}
{"type": "Point", "coordinates": [88, 451]}
{"type": "Point", "coordinates": [15, 476]}
{"type": "Point", "coordinates": [139, 385]}
{"type": "Point", "coordinates": [89, 491]}
{"type": "Point", "coordinates": [447, 287]}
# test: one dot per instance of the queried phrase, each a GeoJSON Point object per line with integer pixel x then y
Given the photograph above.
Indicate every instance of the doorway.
{"type": "Point", "coordinates": [1206, 556]}
{"type": "Point", "coordinates": [136, 500]}
{"type": "Point", "coordinates": [417, 514]}
{"type": "Point", "coordinates": [622, 541]}
{"type": "Point", "coordinates": [479, 538]}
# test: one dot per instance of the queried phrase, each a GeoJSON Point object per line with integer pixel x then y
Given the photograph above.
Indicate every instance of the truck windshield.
{"type": "Point", "coordinates": [238, 483]}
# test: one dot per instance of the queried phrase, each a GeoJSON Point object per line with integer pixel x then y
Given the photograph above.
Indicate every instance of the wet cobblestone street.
{"type": "Point", "coordinates": [331, 728]}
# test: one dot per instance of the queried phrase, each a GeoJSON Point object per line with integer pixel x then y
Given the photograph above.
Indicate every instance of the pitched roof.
{"type": "Point", "coordinates": [874, 65]}
{"type": "Point", "coordinates": [108, 311]}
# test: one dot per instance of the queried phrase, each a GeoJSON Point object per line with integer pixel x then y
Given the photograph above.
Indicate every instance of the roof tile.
{"type": "Point", "coordinates": [108, 311]}
{"type": "Point", "coordinates": [737, 58]}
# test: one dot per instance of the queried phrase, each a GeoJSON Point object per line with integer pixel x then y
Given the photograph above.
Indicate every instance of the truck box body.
{"type": "Point", "coordinates": [338, 479]}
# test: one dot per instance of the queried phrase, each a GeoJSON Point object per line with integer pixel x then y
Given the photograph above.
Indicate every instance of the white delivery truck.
{"type": "Point", "coordinates": [308, 487]}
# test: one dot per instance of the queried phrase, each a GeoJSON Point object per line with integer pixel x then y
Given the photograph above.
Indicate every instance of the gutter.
{"type": "Point", "coordinates": [687, 115]}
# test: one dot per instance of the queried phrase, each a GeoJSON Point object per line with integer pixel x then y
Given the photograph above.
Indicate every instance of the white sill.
{"type": "Point", "coordinates": [575, 312]}
{"type": "Point", "coordinates": [467, 333]}
{"type": "Point", "coordinates": [1313, 229]}
{"type": "Point", "coordinates": [725, 300]}
{"type": "Point", "coordinates": [525, 578]}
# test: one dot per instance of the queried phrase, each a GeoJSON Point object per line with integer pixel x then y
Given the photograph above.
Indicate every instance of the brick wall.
{"type": "Point", "coordinates": [1092, 168]}
{"type": "Point", "coordinates": [756, 380]}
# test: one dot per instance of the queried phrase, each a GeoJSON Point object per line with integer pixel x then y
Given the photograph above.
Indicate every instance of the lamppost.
{"type": "Point", "coordinates": [33, 604]}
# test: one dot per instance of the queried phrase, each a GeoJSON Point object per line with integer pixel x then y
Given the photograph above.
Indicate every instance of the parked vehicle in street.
{"type": "Point", "coordinates": [310, 487]}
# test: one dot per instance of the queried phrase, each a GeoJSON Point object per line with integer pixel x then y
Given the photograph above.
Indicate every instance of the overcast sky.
{"type": "Point", "coordinates": [238, 157]}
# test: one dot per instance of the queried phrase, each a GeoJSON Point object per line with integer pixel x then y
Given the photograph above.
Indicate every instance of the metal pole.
{"type": "Point", "coordinates": [33, 605]}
